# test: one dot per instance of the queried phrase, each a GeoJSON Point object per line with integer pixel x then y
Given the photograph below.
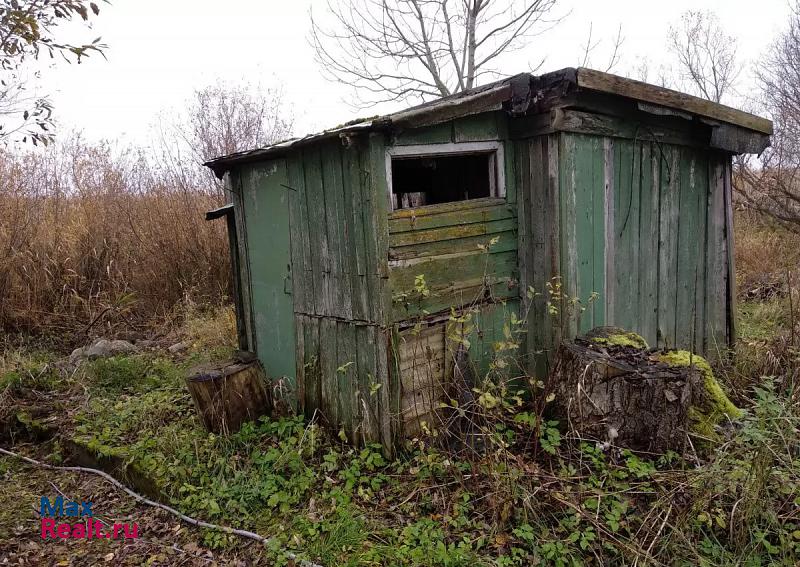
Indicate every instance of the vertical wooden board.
{"type": "Point", "coordinates": [267, 203]}
{"type": "Point", "coordinates": [387, 375]}
{"type": "Point", "coordinates": [298, 234]}
{"type": "Point", "coordinates": [332, 188]}
{"type": "Point", "coordinates": [609, 230]}
{"type": "Point", "coordinates": [300, 364]}
{"type": "Point", "coordinates": [701, 199]}
{"type": "Point", "coordinates": [524, 244]}
{"type": "Point", "coordinates": [329, 402]}
{"type": "Point", "coordinates": [347, 252]}
{"type": "Point", "coordinates": [369, 398]}
{"type": "Point", "coordinates": [534, 192]}
{"type": "Point", "coordinates": [691, 245]}
{"type": "Point", "coordinates": [311, 361]}
{"type": "Point", "coordinates": [317, 229]}
{"type": "Point", "coordinates": [510, 162]}
{"type": "Point", "coordinates": [716, 261]}
{"type": "Point", "coordinates": [236, 190]}
{"type": "Point", "coordinates": [648, 243]}
{"type": "Point", "coordinates": [379, 211]}
{"type": "Point", "coordinates": [358, 266]}
{"type": "Point", "coordinates": [598, 231]}
{"type": "Point", "coordinates": [667, 244]}
{"type": "Point", "coordinates": [555, 237]}
{"type": "Point", "coordinates": [626, 233]}
{"type": "Point", "coordinates": [731, 264]}
{"type": "Point", "coordinates": [476, 128]}
{"type": "Point", "coordinates": [347, 379]}
{"type": "Point", "coordinates": [582, 228]}
{"type": "Point", "coordinates": [569, 248]}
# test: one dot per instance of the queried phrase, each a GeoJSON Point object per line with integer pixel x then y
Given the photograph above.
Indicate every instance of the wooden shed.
{"type": "Point", "coordinates": [356, 249]}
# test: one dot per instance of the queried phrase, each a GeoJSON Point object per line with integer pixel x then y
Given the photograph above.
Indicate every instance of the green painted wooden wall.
{"type": "Point", "coordinates": [641, 224]}
{"type": "Point", "coordinates": [330, 270]}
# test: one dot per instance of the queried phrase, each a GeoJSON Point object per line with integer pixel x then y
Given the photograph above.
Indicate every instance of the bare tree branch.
{"type": "Point", "coordinates": [706, 56]}
{"type": "Point", "coordinates": [418, 49]}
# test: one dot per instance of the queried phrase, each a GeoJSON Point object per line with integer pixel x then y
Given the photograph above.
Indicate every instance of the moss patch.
{"type": "Point", "coordinates": [620, 337]}
{"type": "Point", "coordinates": [715, 405]}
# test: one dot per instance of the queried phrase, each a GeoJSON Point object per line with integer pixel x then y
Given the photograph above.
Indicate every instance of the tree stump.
{"type": "Point", "coordinates": [228, 394]}
{"type": "Point", "coordinates": [623, 394]}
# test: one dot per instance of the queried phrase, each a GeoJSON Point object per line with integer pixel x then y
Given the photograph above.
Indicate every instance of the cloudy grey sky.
{"type": "Point", "coordinates": [160, 51]}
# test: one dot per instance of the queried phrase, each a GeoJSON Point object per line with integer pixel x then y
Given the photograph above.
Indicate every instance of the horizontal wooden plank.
{"type": "Point", "coordinates": [606, 82]}
{"type": "Point", "coordinates": [456, 296]}
{"type": "Point", "coordinates": [451, 232]}
{"type": "Point", "coordinates": [578, 122]}
{"type": "Point", "coordinates": [488, 210]}
{"type": "Point", "coordinates": [506, 241]}
{"type": "Point", "coordinates": [444, 271]}
{"type": "Point", "coordinates": [446, 208]}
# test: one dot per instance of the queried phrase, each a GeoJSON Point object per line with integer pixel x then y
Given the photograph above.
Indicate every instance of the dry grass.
{"type": "Point", "coordinates": [94, 241]}
{"type": "Point", "coordinates": [768, 282]}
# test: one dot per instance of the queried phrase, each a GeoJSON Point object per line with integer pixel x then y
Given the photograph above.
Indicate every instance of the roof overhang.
{"type": "Point", "coordinates": [732, 130]}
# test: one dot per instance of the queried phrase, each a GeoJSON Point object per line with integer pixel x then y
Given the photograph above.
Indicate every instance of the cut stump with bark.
{"type": "Point", "coordinates": [228, 394]}
{"type": "Point", "coordinates": [610, 390]}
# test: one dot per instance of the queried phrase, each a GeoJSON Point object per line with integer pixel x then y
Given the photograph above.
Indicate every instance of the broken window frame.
{"type": "Point", "coordinates": [497, 176]}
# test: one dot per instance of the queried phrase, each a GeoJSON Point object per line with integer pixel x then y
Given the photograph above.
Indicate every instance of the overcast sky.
{"type": "Point", "coordinates": [160, 51]}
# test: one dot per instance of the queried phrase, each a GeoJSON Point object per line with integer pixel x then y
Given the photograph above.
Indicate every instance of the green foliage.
{"type": "Point", "coordinates": [130, 373]}
{"type": "Point", "coordinates": [28, 30]}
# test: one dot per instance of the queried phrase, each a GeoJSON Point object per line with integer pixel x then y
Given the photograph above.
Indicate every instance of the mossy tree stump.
{"type": "Point", "coordinates": [227, 395]}
{"type": "Point", "coordinates": [610, 387]}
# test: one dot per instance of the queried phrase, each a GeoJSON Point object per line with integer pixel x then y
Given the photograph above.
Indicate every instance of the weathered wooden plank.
{"type": "Point", "coordinates": [579, 122]}
{"type": "Point", "coordinates": [583, 147]}
{"type": "Point", "coordinates": [606, 82]}
{"type": "Point", "coordinates": [379, 208]}
{"type": "Point", "coordinates": [569, 240]}
{"type": "Point", "coordinates": [368, 386]}
{"type": "Point", "coordinates": [234, 184]}
{"type": "Point", "coordinates": [436, 134]}
{"type": "Point", "coordinates": [332, 188]}
{"type": "Point", "coordinates": [312, 370]}
{"type": "Point", "coordinates": [506, 241]}
{"type": "Point", "coordinates": [300, 358]}
{"type": "Point", "coordinates": [449, 269]}
{"type": "Point", "coordinates": [317, 230]}
{"type": "Point", "coordinates": [700, 198]}
{"type": "Point", "coordinates": [716, 261]}
{"type": "Point", "coordinates": [667, 244]}
{"type": "Point", "coordinates": [452, 232]}
{"type": "Point", "coordinates": [524, 157]}
{"type": "Point", "coordinates": [540, 219]}
{"type": "Point", "coordinates": [687, 269]}
{"type": "Point", "coordinates": [476, 128]}
{"type": "Point", "coordinates": [302, 286]}
{"type": "Point", "coordinates": [459, 295]}
{"type": "Point", "coordinates": [648, 244]}
{"type": "Point", "coordinates": [389, 392]}
{"type": "Point", "coordinates": [609, 227]}
{"type": "Point", "coordinates": [729, 244]}
{"type": "Point", "coordinates": [626, 234]}
{"type": "Point", "coordinates": [328, 378]}
{"type": "Point", "coordinates": [553, 244]}
{"type": "Point", "coordinates": [368, 220]}
{"type": "Point", "coordinates": [597, 306]}
{"type": "Point", "coordinates": [346, 378]}
{"type": "Point", "coordinates": [355, 226]}
{"type": "Point", "coordinates": [484, 210]}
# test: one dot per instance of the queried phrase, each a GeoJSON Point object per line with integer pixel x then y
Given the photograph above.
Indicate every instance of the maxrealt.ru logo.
{"type": "Point", "coordinates": [65, 519]}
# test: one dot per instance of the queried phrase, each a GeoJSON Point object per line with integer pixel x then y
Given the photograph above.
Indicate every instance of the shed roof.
{"type": "Point", "coordinates": [520, 94]}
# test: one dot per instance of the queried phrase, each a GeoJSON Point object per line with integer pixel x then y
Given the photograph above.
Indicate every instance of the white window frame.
{"type": "Point", "coordinates": [497, 170]}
